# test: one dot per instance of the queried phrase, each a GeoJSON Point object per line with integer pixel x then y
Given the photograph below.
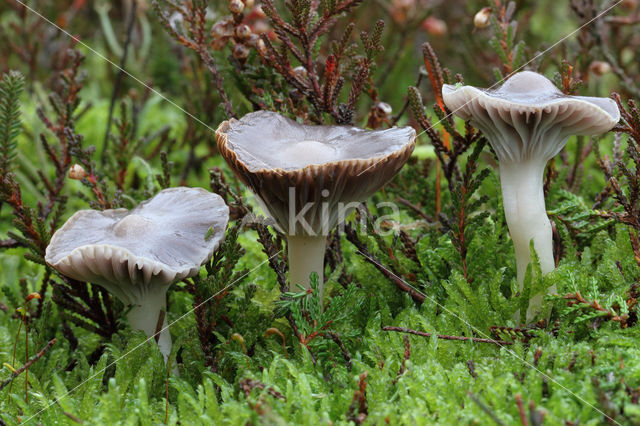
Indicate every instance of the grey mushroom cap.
{"type": "Point", "coordinates": [274, 155]}
{"type": "Point", "coordinates": [528, 117]}
{"type": "Point", "coordinates": [132, 252]}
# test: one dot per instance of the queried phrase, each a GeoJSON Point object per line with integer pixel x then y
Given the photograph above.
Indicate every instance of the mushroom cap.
{"type": "Point", "coordinates": [325, 165]}
{"type": "Point", "coordinates": [129, 252]}
{"type": "Point", "coordinates": [528, 117]}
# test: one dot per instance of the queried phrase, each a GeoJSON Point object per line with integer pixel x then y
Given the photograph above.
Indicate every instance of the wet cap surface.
{"type": "Point", "coordinates": [267, 140]}
{"type": "Point", "coordinates": [303, 169]}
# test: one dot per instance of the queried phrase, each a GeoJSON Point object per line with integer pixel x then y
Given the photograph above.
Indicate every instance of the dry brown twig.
{"type": "Point", "coordinates": [446, 337]}
{"type": "Point", "coordinates": [577, 299]}
{"type": "Point", "coordinates": [28, 364]}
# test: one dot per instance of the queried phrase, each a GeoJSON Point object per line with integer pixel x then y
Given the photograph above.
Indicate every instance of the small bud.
{"type": "Point", "coordinates": [600, 67]}
{"type": "Point", "coordinates": [243, 32]}
{"type": "Point", "coordinates": [218, 43]}
{"type": "Point", "coordinates": [261, 47]}
{"type": "Point", "coordinates": [133, 94]}
{"type": "Point", "coordinates": [481, 20]}
{"type": "Point", "coordinates": [77, 172]}
{"type": "Point", "coordinates": [222, 29]}
{"type": "Point", "coordinates": [300, 72]}
{"type": "Point", "coordinates": [252, 40]}
{"type": "Point", "coordinates": [261, 27]}
{"type": "Point", "coordinates": [403, 4]}
{"type": "Point", "coordinates": [240, 52]}
{"type": "Point", "coordinates": [33, 296]}
{"type": "Point", "coordinates": [236, 6]}
{"type": "Point", "coordinates": [434, 26]}
{"type": "Point", "coordinates": [175, 21]}
{"type": "Point", "coordinates": [380, 113]}
{"type": "Point", "coordinates": [384, 108]}
{"type": "Point", "coordinates": [295, 95]}
{"type": "Point", "coordinates": [258, 13]}
{"type": "Point", "coordinates": [249, 3]}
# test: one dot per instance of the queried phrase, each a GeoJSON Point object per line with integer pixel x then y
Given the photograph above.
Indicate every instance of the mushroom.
{"type": "Point", "coordinates": [309, 178]}
{"type": "Point", "coordinates": [136, 255]}
{"type": "Point", "coordinates": [527, 121]}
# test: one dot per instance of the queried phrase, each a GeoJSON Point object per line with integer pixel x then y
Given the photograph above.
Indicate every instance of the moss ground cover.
{"type": "Point", "coordinates": [417, 325]}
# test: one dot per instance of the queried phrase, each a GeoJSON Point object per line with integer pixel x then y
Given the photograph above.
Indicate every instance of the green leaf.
{"type": "Point", "coordinates": [11, 87]}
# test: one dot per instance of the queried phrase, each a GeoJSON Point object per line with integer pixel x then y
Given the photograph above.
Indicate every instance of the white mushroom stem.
{"type": "Point", "coordinates": [306, 255]}
{"type": "Point", "coordinates": [526, 215]}
{"type": "Point", "coordinates": [144, 316]}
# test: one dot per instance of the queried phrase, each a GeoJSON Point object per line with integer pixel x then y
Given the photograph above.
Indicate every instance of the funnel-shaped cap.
{"type": "Point", "coordinates": [318, 168]}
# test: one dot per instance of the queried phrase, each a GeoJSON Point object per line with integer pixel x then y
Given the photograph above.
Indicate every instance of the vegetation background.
{"type": "Point", "coordinates": [249, 352]}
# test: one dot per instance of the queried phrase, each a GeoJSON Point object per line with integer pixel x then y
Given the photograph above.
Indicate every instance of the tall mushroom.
{"type": "Point", "coordinates": [308, 178]}
{"type": "Point", "coordinates": [136, 255]}
{"type": "Point", "coordinates": [528, 121]}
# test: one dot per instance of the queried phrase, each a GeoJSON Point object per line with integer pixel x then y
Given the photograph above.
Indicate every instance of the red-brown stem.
{"type": "Point", "coordinates": [72, 417]}
{"type": "Point", "coordinates": [445, 336]}
{"type": "Point", "coordinates": [407, 354]}
{"type": "Point", "coordinates": [274, 330]}
{"type": "Point", "coordinates": [26, 354]}
{"type": "Point", "coordinates": [523, 416]}
{"type": "Point", "coordinates": [29, 363]}
{"type": "Point", "coordinates": [577, 298]}
{"type": "Point", "coordinates": [438, 184]}
{"type": "Point", "coordinates": [13, 362]}
{"type": "Point", "coordinates": [399, 282]}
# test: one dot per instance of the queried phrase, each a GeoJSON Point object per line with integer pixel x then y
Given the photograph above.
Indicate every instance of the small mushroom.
{"type": "Point", "coordinates": [136, 255]}
{"type": "Point", "coordinates": [309, 178]}
{"type": "Point", "coordinates": [528, 121]}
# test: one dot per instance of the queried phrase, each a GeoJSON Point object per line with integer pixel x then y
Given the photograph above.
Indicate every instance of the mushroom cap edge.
{"type": "Point", "coordinates": [456, 98]}
{"type": "Point", "coordinates": [136, 264]}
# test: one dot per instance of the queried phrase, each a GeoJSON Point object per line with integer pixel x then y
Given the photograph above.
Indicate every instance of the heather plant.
{"type": "Point", "coordinates": [102, 107]}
